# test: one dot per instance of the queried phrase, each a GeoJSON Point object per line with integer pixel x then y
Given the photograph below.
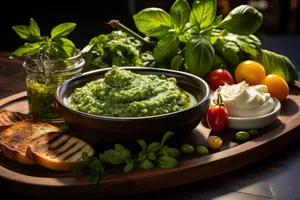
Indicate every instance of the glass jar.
{"type": "Point", "coordinates": [44, 75]}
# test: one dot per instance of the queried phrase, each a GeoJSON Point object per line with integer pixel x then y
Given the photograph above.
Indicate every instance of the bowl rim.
{"type": "Point", "coordinates": [204, 99]}
{"type": "Point", "coordinates": [273, 112]}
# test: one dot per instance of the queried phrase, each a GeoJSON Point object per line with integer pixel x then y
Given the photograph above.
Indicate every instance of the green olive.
{"type": "Point", "coordinates": [202, 150]}
{"type": "Point", "coordinates": [252, 132]}
{"type": "Point", "coordinates": [187, 148]}
{"type": "Point", "coordinates": [242, 135]}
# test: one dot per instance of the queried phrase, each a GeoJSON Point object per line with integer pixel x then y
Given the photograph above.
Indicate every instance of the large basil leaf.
{"type": "Point", "coordinates": [166, 48]}
{"type": "Point", "coordinates": [62, 30]}
{"type": "Point", "coordinates": [275, 63]}
{"type": "Point", "coordinates": [242, 20]}
{"type": "Point", "coordinates": [24, 32]}
{"type": "Point", "coordinates": [26, 50]}
{"type": "Point", "coordinates": [199, 56]}
{"type": "Point", "coordinates": [180, 12]}
{"type": "Point", "coordinates": [34, 28]}
{"type": "Point", "coordinates": [203, 13]}
{"type": "Point", "coordinates": [154, 22]}
{"type": "Point", "coordinates": [66, 47]}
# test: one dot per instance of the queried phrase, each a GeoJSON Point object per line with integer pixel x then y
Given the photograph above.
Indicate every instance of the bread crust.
{"type": "Point", "coordinates": [33, 142]}
{"type": "Point", "coordinates": [15, 140]}
{"type": "Point", "coordinates": [58, 151]}
{"type": "Point", "coordinates": [8, 118]}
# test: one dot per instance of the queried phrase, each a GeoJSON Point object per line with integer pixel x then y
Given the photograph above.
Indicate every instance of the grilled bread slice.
{"type": "Point", "coordinates": [58, 151]}
{"type": "Point", "coordinates": [8, 118]}
{"type": "Point", "coordinates": [15, 140]}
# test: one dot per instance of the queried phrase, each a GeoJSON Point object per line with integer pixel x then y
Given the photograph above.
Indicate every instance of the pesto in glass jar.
{"type": "Point", "coordinates": [43, 78]}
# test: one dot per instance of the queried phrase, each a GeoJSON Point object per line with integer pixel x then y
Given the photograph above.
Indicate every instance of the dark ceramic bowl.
{"type": "Point", "coordinates": [103, 132]}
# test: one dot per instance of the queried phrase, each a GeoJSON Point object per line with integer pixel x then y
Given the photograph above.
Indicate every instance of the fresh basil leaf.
{"type": "Point", "coordinates": [180, 12]}
{"type": "Point", "coordinates": [143, 144]}
{"type": "Point", "coordinates": [278, 64]}
{"type": "Point", "coordinates": [84, 156]}
{"type": "Point", "coordinates": [96, 39]}
{"type": "Point", "coordinates": [147, 164]}
{"type": "Point", "coordinates": [172, 152]}
{"type": "Point", "coordinates": [230, 52]}
{"type": "Point", "coordinates": [26, 50]}
{"type": "Point", "coordinates": [154, 22]}
{"type": "Point", "coordinates": [203, 13]}
{"type": "Point", "coordinates": [166, 48]}
{"type": "Point", "coordinates": [151, 156]}
{"type": "Point", "coordinates": [176, 62]}
{"type": "Point", "coordinates": [166, 136]}
{"type": "Point", "coordinates": [66, 46]}
{"type": "Point", "coordinates": [114, 157]}
{"type": "Point", "coordinates": [34, 28]}
{"type": "Point", "coordinates": [242, 20]}
{"type": "Point", "coordinates": [125, 152]}
{"type": "Point", "coordinates": [24, 32]}
{"type": "Point", "coordinates": [142, 156]}
{"type": "Point", "coordinates": [166, 162]}
{"type": "Point", "coordinates": [199, 56]}
{"type": "Point", "coordinates": [249, 44]}
{"type": "Point", "coordinates": [128, 167]}
{"type": "Point", "coordinates": [94, 163]}
{"type": "Point", "coordinates": [187, 35]}
{"type": "Point", "coordinates": [154, 147]}
{"type": "Point", "coordinates": [62, 30]}
{"type": "Point", "coordinates": [217, 20]}
{"type": "Point", "coordinates": [95, 177]}
{"type": "Point", "coordinates": [102, 157]}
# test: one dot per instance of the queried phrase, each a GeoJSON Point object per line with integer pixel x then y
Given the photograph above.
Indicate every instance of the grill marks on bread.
{"type": "Point", "coordinates": [8, 118]}
{"type": "Point", "coordinates": [15, 140]}
{"type": "Point", "coordinates": [33, 142]}
{"type": "Point", "coordinates": [58, 151]}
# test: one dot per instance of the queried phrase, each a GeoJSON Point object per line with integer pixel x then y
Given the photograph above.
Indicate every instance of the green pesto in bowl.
{"type": "Point", "coordinates": [122, 93]}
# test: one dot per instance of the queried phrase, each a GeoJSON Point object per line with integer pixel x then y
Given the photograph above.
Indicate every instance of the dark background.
{"type": "Point", "coordinates": [280, 17]}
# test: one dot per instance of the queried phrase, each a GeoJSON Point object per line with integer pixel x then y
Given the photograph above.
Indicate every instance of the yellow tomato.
{"type": "Point", "coordinates": [250, 71]}
{"type": "Point", "coordinates": [214, 142]}
{"type": "Point", "coordinates": [277, 86]}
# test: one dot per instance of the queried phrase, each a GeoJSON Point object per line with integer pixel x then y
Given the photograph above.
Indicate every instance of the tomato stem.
{"type": "Point", "coordinates": [219, 100]}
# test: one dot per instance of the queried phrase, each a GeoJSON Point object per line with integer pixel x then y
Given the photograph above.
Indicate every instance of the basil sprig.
{"type": "Point", "coordinates": [55, 46]}
{"type": "Point", "coordinates": [197, 35]}
{"type": "Point", "coordinates": [156, 154]}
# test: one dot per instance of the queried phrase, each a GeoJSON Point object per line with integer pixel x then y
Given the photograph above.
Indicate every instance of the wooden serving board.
{"type": "Point", "coordinates": [39, 182]}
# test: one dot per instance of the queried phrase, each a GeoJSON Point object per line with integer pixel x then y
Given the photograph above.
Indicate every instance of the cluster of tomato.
{"type": "Point", "coordinates": [252, 73]}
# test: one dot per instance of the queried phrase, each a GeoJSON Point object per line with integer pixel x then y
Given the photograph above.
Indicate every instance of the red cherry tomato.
{"type": "Point", "coordinates": [217, 116]}
{"type": "Point", "coordinates": [219, 77]}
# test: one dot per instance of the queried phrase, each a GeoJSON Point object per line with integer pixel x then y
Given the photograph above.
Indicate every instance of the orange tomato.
{"type": "Point", "coordinates": [277, 86]}
{"type": "Point", "coordinates": [250, 71]}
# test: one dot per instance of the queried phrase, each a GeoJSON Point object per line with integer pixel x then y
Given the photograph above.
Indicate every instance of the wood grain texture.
{"type": "Point", "coordinates": [193, 169]}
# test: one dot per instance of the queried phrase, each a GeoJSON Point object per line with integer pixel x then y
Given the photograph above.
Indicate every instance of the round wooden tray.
{"type": "Point", "coordinates": [36, 181]}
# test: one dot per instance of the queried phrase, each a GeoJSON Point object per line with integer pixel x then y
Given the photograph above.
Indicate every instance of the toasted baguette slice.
{"type": "Point", "coordinates": [8, 118]}
{"type": "Point", "coordinates": [15, 140]}
{"type": "Point", "coordinates": [58, 151]}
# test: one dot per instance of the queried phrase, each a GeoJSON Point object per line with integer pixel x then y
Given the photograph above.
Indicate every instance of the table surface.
{"type": "Point", "coordinates": [275, 177]}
